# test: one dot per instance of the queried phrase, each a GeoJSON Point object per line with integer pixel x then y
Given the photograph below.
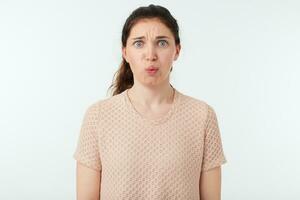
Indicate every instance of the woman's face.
{"type": "Point", "coordinates": [150, 43]}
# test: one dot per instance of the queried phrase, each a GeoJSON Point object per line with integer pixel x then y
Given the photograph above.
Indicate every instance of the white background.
{"type": "Point", "coordinates": [242, 57]}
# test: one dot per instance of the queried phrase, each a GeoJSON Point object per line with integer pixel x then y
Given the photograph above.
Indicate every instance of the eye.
{"type": "Point", "coordinates": [163, 42]}
{"type": "Point", "coordinates": [139, 42]}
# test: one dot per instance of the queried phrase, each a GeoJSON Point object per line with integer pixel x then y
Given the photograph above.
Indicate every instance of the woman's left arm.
{"type": "Point", "coordinates": [210, 184]}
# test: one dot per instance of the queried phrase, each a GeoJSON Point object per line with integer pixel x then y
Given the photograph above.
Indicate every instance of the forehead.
{"type": "Point", "coordinates": [149, 27]}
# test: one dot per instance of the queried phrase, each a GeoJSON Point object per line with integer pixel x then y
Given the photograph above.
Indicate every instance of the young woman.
{"type": "Point", "coordinates": [148, 140]}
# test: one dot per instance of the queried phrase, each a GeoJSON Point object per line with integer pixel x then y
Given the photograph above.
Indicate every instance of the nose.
{"type": "Point", "coordinates": [151, 53]}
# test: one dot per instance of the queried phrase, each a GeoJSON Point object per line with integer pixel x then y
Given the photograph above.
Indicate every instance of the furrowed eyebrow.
{"type": "Point", "coordinates": [143, 37]}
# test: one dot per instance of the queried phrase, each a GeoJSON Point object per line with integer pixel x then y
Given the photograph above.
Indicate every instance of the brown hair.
{"type": "Point", "coordinates": [123, 77]}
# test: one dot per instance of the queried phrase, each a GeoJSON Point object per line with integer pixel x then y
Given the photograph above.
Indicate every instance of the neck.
{"type": "Point", "coordinates": [151, 96]}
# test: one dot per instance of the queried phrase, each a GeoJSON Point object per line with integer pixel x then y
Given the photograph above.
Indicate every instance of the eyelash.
{"type": "Point", "coordinates": [158, 41]}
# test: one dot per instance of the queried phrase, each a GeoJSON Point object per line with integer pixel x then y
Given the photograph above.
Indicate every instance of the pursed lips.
{"type": "Point", "coordinates": [151, 68]}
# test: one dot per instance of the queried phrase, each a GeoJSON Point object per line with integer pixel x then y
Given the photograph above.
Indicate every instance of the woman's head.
{"type": "Point", "coordinates": [150, 37]}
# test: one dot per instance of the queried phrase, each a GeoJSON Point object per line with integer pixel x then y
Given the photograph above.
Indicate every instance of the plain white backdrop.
{"type": "Point", "coordinates": [242, 57]}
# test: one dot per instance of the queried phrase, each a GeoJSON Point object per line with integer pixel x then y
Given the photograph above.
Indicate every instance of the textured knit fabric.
{"type": "Point", "coordinates": [150, 159]}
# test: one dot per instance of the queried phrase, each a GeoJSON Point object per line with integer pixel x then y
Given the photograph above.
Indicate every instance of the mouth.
{"type": "Point", "coordinates": [151, 70]}
{"type": "Point", "coordinates": [151, 67]}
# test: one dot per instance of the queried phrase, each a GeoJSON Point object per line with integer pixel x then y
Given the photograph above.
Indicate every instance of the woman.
{"type": "Point", "coordinates": [149, 141]}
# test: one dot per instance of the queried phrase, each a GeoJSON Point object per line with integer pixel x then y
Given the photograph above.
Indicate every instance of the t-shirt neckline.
{"type": "Point", "coordinates": [158, 120]}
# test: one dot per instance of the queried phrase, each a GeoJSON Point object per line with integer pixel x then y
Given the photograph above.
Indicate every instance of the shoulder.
{"type": "Point", "coordinates": [105, 104]}
{"type": "Point", "coordinates": [195, 103]}
{"type": "Point", "coordinates": [198, 107]}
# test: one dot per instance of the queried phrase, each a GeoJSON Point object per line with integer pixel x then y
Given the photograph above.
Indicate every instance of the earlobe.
{"type": "Point", "coordinates": [176, 56]}
{"type": "Point", "coordinates": [124, 54]}
{"type": "Point", "coordinates": [177, 51]}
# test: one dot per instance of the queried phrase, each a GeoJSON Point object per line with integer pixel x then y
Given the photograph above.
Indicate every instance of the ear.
{"type": "Point", "coordinates": [178, 48]}
{"type": "Point", "coordinates": [124, 53]}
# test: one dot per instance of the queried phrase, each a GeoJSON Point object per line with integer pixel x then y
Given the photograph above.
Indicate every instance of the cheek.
{"type": "Point", "coordinates": [134, 63]}
{"type": "Point", "coordinates": [167, 57]}
{"type": "Point", "coordinates": [135, 58]}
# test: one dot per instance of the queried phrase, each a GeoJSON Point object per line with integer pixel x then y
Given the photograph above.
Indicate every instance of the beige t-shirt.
{"type": "Point", "coordinates": [157, 159]}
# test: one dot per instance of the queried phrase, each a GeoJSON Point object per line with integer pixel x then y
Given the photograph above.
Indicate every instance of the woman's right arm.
{"type": "Point", "coordinates": [88, 183]}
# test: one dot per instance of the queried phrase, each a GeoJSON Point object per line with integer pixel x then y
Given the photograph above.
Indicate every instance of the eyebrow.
{"type": "Point", "coordinates": [157, 37]}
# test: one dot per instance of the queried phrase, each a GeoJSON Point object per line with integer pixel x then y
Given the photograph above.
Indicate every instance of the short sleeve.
{"type": "Point", "coordinates": [87, 150]}
{"type": "Point", "coordinates": [213, 154]}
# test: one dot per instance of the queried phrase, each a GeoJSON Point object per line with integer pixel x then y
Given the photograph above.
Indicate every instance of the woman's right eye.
{"type": "Point", "coordinates": [137, 42]}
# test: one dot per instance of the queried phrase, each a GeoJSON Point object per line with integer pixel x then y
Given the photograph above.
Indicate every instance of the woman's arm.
{"type": "Point", "coordinates": [210, 184]}
{"type": "Point", "coordinates": [88, 183]}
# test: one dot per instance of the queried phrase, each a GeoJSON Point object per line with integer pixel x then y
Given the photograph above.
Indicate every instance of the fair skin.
{"type": "Point", "coordinates": [88, 183]}
{"type": "Point", "coordinates": [210, 184]}
{"type": "Point", "coordinates": [151, 96]}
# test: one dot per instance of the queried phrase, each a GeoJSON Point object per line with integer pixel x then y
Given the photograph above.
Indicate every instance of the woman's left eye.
{"type": "Point", "coordinates": [164, 42]}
